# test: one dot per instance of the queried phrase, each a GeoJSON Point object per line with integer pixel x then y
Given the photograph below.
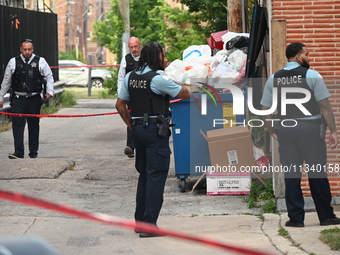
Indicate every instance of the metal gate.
{"type": "Point", "coordinates": [17, 24]}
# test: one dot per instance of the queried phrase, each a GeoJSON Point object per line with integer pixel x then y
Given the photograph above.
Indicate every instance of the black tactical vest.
{"type": "Point", "coordinates": [27, 77]}
{"type": "Point", "coordinates": [295, 78]}
{"type": "Point", "coordinates": [131, 64]}
{"type": "Point", "coordinates": [143, 99]}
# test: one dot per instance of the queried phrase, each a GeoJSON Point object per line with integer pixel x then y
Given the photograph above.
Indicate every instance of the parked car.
{"type": "Point", "coordinates": [78, 75]}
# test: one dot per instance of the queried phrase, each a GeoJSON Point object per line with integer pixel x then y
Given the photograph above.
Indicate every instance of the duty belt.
{"type": "Point", "coordinates": [25, 94]}
{"type": "Point", "coordinates": [140, 121]}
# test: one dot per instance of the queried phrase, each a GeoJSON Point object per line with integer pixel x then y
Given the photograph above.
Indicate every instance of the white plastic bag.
{"type": "Point", "coordinates": [210, 62]}
{"type": "Point", "coordinates": [225, 70]}
{"type": "Point", "coordinates": [176, 70]}
{"type": "Point", "coordinates": [237, 59]}
{"type": "Point", "coordinates": [197, 51]}
{"type": "Point", "coordinates": [181, 71]}
{"type": "Point", "coordinates": [223, 75]}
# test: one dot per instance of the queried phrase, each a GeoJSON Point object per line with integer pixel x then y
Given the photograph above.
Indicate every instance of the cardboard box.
{"type": "Point", "coordinates": [215, 40]}
{"type": "Point", "coordinates": [230, 147]}
{"type": "Point", "coordinates": [228, 183]}
{"type": "Point", "coordinates": [231, 160]}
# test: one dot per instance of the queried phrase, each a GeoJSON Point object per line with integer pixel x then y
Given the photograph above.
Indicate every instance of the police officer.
{"type": "Point", "coordinates": [25, 75]}
{"type": "Point", "coordinates": [301, 139]}
{"type": "Point", "coordinates": [148, 93]}
{"type": "Point", "coordinates": [128, 64]}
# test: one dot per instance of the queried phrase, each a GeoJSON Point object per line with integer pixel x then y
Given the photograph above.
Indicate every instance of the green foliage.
{"type": "Point", "coordinates": [67, 99]}
{"type": "Point", "coordinates": [48, 109]}
{"type": "Point", "coordinates": [110, 31]}
{"type": "Point", "coordinates": [150, 21]}
{"type": "Point", "coordinates": [111, 82]}
{"type": "Point", "coordinates": [155, 20]}
{"type": "Point", "coordinates": [283, 232]}
{"type": "Point", "coordinates": [254, 195]}
{"type": "Point", "coordinates": [331, 237]}
{"type": "Point", "coordinates": [260, 216]}
{"type": "Point", "coordinates": [212, 14]}
{"type": "Point", "coordinates": [71, 55]}
{"type": "Point", "coordinates": [6, 125]}
{"type": "Point", "coordinates": [146, 23]}
{"type": "Point", "coordinates": [262, 195]}
{"type": "Point", "coordinates": [178, 35]}
{"type": "Point", "coordinates": [257, 132]}
{"type": "Point", "coordinates": [269, 206]}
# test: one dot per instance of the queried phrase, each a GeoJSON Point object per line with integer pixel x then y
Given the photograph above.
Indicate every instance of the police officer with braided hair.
{"type": "Point", "coordinates": [148, 92]}
{"type": "Point", "coordinates": [25, 75]}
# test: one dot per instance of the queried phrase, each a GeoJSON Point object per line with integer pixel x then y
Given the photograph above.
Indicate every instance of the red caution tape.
{"type": "Point", "coordinates": [54, 116]}
{"type": "Point", "coordinates": [65, 116]}
{"type": "Point", "coordinates": [116, 221]}
{"type": "Point", "coordinates": [85, 66]}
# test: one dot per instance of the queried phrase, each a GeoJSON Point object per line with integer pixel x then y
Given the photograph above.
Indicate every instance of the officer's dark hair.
{"type": "Point", "coordinates": [151, 56]}
{"type": "Point", "coordinates": [28, 40]}
{"type": "Point", "coordinates": [293, 49]}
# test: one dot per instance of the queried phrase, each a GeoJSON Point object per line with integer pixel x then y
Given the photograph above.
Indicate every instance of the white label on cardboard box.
{"type": "Point", "coordinates": [232, 157]}
{"type": "Point", "coordinates": [229, 184]}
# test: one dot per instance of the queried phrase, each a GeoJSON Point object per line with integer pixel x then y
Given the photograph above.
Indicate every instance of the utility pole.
{"type": "Point", "coordinates": [235, 16]}
{"type": "Point", "coordinates": [86, 4]}
{"type": "Point", "coordinates": [124, 8]}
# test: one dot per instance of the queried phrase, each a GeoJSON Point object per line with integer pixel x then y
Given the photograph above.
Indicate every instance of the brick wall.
{"type": "Point", "coordinates": [316, 23]}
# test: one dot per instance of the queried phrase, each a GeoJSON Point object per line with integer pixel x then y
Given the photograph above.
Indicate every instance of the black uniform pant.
{"type": "Point", "coordinates": [30, 105]}
{"type": "Point", "coordinates": [298, 145]}
{"type": "Point", "coordinates": [152, 163]}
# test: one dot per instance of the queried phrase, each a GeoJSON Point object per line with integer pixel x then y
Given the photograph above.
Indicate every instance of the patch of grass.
{"type": "Point", "coordinates": [283, 232]}
{"type": "Point", "coordinates": [96, 93]}
{"type": "Point", "coordinates": [4, 126]}
{"type": "Point", "coordinates": [269, 206]}
{"type": "Point", "coordinates": [331, 237]}
{"type": "Point", "coordinates": [49, 109]}
{"type": "Point", "coordinates": [260, 216]}
{"type": "Point", "coordinates": [296, 244]}
{"type": "Point", "coordinates": [262, 195]}
{"type": "Point", "coordinates": [68, 99]}
{"type": "Point", "coordinates": [216, 214]}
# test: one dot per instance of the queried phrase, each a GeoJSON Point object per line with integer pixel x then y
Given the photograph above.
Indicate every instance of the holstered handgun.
{"type": "Point", "coordinates": [11, 95]}
{"type": "Point", "coordinates": [163, 126]}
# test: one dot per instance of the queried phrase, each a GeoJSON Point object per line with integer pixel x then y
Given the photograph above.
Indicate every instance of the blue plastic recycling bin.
{"type": "Point", "coordinates": [191, 152]}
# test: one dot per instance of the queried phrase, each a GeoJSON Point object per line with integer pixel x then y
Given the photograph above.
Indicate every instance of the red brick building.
{"type": "Point", "coordinates": [316, 23]}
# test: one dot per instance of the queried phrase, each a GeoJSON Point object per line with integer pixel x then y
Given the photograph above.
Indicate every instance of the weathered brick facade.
{"type": "Point", "coordinates": [316, 23]}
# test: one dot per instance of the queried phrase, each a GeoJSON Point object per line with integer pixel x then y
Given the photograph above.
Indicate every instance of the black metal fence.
{"type": "Point", "coordinates": [18, 24]}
